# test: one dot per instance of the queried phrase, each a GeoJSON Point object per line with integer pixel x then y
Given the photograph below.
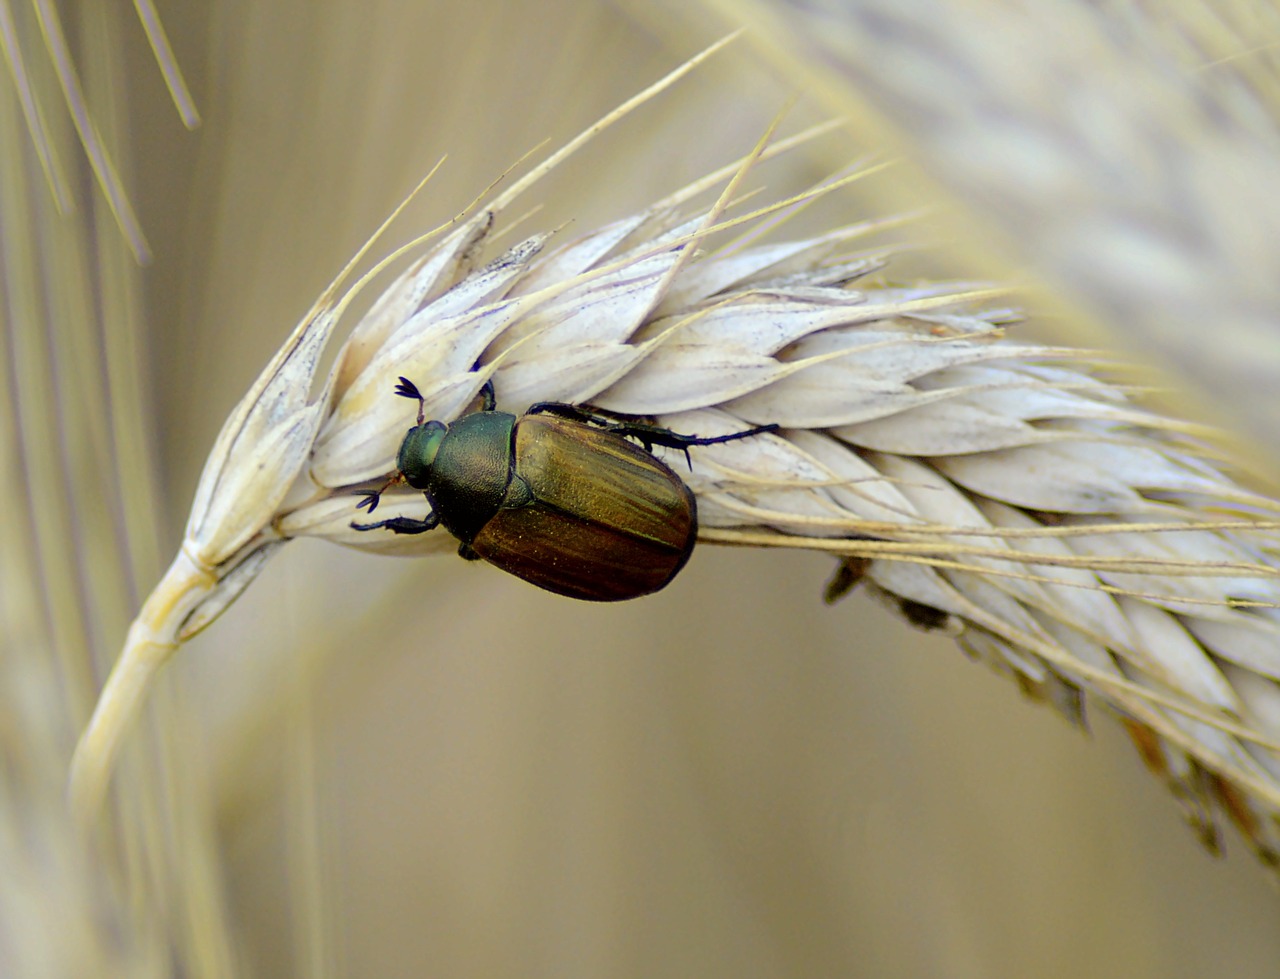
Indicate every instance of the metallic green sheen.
{"type": "Point", "coordinates": [468, 476]}
{"type": "Point", "coordinates": [418, 452]}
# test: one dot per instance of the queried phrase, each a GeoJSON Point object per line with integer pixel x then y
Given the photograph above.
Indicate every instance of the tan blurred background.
{"type": "Point", "coordinates": [431, 769]}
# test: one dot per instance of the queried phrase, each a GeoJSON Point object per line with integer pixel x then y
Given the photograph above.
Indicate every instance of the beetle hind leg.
{"type": "Point", "coordinates": [649, 435]}
{"type": "Point", "coordinates": [646, 435]}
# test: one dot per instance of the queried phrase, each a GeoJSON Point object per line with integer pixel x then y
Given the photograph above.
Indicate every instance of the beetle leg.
{"type": "Point", "coordinates": [568, 411]}
{"type": "Point", "coordinates": [490, 400]}
{"type": "Point", "coordinates": [467, 553]}
{"type": "Point", "coordinates": [402, 525]}
{"type": "Point", "coordinates": [649, 435]}
{"type": "Point", "coordinates": [646, 435]}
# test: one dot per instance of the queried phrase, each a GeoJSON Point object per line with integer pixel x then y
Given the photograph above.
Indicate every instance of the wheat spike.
{"type": "Point", "coordinates": [1002, 490]}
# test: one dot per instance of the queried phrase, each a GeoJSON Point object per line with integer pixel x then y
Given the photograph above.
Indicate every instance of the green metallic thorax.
{"type": "Point", "coordinates": [467, 480]}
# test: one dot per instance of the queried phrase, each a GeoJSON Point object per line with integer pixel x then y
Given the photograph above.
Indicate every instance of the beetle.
{"type": "Point", "coordinates": [557, 496]}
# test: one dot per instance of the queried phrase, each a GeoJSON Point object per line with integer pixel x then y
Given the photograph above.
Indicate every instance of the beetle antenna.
{"type": "Point", "coordinates": [407, 389]}
{"type": "Point", "coordinates": [371, 497]}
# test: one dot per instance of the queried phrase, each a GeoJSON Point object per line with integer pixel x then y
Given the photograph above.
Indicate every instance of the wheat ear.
{"type": "Point", "coordinates": [1002, 491]}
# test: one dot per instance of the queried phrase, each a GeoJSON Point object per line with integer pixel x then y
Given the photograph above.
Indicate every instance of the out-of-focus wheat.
{"type": "Point", "coordinates": [79, 540]}
{"type": "Point", "coordinates": [1122, 155]}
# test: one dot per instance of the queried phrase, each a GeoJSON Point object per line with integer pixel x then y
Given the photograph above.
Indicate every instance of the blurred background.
{"type": "Point", "coordinates": [375, 767]}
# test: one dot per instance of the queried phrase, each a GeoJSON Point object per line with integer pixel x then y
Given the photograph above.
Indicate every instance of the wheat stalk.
{"type": "Point", "coordinates": [1003, 491]}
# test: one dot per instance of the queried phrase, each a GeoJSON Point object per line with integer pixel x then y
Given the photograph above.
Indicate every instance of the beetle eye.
{"type": "Point", "coordinates": [418, 452]}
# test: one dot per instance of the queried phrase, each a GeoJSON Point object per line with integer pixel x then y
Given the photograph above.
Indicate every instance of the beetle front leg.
{"type": "Point", "coordinates": [402, 525]}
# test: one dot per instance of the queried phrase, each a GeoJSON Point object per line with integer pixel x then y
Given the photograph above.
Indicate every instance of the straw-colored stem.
{"type": "Point", "coordinates": [152, 639]}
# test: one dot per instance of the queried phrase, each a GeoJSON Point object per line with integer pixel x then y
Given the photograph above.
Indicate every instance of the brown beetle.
{"type": "Point", "coordinates": [557, 496]}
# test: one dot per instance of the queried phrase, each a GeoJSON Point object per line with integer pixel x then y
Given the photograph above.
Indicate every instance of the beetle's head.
{"type": "Point", "coordinates": [418, 452]}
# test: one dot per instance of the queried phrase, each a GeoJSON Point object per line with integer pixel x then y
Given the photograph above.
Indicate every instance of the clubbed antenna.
{"type": "Point", "coordinates": [371, 497]}
{"type": "Point", "coordinates": [407, 389]}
